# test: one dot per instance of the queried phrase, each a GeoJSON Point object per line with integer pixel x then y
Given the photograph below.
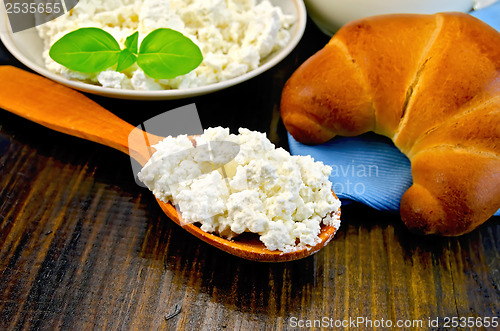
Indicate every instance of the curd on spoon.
{"type": "Point", "coordinates": [244, 185]}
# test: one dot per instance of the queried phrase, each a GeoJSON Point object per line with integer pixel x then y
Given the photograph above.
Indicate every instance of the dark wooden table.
{"type": "Point", "coordinates": [83, 247]}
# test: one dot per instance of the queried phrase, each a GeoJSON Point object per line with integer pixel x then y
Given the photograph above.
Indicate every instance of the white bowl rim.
{"type": "Point", "coordinates": [274, 59]}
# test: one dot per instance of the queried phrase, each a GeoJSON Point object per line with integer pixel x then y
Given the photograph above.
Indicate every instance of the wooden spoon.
{"type": "Point", "coordinates": [62, 109]}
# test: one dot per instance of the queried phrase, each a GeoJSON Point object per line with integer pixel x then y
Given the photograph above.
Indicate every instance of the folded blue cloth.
{"type": "Point", "coordinates": [490, 15]}
{"type": "Point", "coordinates": [369, 168]}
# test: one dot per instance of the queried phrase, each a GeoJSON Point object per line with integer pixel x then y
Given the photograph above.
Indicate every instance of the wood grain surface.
{"type": "Point", "coordinates": [83, 247]}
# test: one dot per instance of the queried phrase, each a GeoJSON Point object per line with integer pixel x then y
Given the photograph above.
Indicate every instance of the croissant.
{"type": "Point", "coordinates": [431, 83]}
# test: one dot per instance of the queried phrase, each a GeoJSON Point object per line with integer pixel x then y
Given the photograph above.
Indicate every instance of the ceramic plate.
{"type": "Point", "coordinates": [27, 47]}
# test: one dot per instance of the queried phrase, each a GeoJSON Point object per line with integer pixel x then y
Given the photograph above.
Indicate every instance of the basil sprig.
{"type": "Point", "coordinates": [128, 56]}
{"type": "Point", "coordinates": [163, 54]}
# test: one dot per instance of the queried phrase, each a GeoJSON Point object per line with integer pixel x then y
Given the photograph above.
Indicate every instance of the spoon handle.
{"type": "Point", "coordinates": [65, 110]}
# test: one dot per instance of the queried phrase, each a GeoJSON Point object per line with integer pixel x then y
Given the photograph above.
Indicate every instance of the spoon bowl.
{"type": "Point", "coordinates": [68, 111]}
{"type": "Point", "coordinates": [249, 247]}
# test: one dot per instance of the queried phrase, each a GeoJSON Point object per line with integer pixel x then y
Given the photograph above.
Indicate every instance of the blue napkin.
{"type": "Point", "coordinates": [369, 169]}
{"type": "Point", "coordinates": [490, 15]}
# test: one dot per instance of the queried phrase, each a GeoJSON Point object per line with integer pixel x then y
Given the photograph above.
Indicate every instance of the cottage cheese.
{"type": "Point", "coordinates": [244, 185]}
{"type": "Point", "coordinates": [233, 35]}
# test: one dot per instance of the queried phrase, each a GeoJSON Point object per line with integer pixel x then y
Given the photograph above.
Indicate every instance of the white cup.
{"type": "Point", "coordinates": [330, 15]}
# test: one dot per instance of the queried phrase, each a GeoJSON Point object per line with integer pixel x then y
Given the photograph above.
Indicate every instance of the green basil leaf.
{"type": "Point", "coordinates": [86, 50]}
{"type": "Point", "coordinates": [125, 59]}
{"type": "Point", "coordinates": [132, 42]}
{"type": "Point", "coordinates": [166, 53]}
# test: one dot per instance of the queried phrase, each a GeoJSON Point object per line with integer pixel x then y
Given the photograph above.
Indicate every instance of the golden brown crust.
{"type": "Point", "coordinates": [476, 130]}
{"type": "Point", "coordinates": [429, 82]}
{"type": "Point", "coordinates": [401, 55]}
{"type": "Point", "coordinates": [454, 191]}
{"type": "Point", "coordinates": [461, 65]}
{"type": "Point", "coordinates": [337, 103]}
